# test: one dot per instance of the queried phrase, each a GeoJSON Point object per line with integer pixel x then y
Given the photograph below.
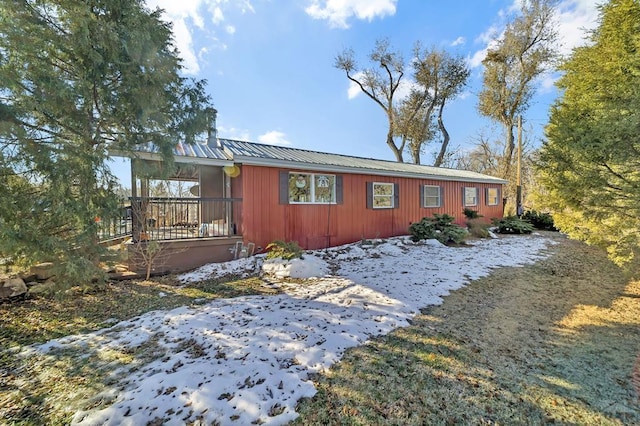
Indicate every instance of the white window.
{"type": "Point", "coordinates": [492, 196]}
{"type": "Point", "coordinates": [431, 196]}
{"type": "Point", "coordinates": [470, 196]}
{"type": "Point", "coordinates": [312, 188]}
{"type": "Point", "coordinates": [383, 195]}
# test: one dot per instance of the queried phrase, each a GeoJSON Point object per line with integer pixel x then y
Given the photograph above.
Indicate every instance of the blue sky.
{"type": "Point", "coordinates": [269, 64]}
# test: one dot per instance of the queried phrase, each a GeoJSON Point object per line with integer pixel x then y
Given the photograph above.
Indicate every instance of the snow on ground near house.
{"type": "Point", "coordinates": [247, 359]}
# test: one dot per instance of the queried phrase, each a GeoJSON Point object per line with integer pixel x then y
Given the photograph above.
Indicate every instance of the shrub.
{"type": "Point", "coordinates": [512, 225]}
{"type": "Point", "coordinates": [285, 250]}
{"type": "Point", "coordinates": [471, 214]}
{"type": "Point", "coordinates": [478, 228]}
{"type": "Point", "coordinates": [440, 227]}
{"type": "Point", "coordinates": [539, 220]}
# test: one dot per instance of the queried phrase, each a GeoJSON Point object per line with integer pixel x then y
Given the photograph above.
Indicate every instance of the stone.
{"type": "Point", "coordinates": [43, 271]}
{"type": "Point", "coordinates": [27, 276]}
{"type": "Point", "coordinates": [47, 288]}
{"type": "Point", "coordinates": [12, 287]}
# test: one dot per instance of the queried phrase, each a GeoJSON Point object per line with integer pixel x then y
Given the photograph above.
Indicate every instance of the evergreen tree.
{"type": "Point", "coordinates": [590, 163]}
{"type": "Point", "coordinates": [78, 79]}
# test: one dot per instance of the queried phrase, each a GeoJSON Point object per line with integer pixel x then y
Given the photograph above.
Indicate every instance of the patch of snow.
{"type": "Point", "coordinates": [309, 267]}
{"type": "Point", "coordinates": [242, 267]}
{"type": "Point", "coordinates": [248, 359]}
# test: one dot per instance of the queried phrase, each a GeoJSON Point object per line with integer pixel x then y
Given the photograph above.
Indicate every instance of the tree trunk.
{"type": "Point", "coordinates": [397, 152]}
{"type": "Point", "coordinates": [445, 138]}
{"type": "Point", "coordinates": [415, 154]}
{"type": "Point", "coordinates": [508, 151]}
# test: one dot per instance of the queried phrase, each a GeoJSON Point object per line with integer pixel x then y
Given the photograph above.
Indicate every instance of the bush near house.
{"type": "Point", "coordinates": [439, 227]}
{"type": "Point", "coordinates": [471, 214]}
{"type": "Point", "coordinates": [286, 250]}
{"type": "Point", "coordinates": [475, 225]}
{"type": "Point", "coordinates": [539, 220]}
{"type": "Point", "coordinates": [512, 225]}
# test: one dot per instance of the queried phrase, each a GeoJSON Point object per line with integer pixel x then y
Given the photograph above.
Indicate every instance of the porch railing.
{"type": "Point", "coordinates": [161, 218]}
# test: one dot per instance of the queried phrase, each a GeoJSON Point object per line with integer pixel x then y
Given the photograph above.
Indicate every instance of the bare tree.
{"type": "Point", "coordinates": [438, 77]}
{"type": "Point", "coordinates": [525, 50]}
{"type": "Point", "coordinates": [443, 77]}
{"type": "Point", "coordinates": [488, 157]}
{"type": "Point", "coordinates": [380, 83]}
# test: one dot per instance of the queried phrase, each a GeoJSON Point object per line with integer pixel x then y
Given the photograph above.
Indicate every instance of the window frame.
{"type": "Point", "coordinates": [497, 197]}
{"type": "Point", "coordinates": [424, 197]}
{"type": "Point", "coordinates": [312, 179]}
{"type": "Point", "coordinates": [464, 196]}
{"type": "Point", "coordinates": [391, 197]}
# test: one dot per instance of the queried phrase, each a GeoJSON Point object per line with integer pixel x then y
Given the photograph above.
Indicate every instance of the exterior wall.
{"type": "Point", "coordinates": [182, 255]}
{"type": "Point", "coordinates": [318, 226]}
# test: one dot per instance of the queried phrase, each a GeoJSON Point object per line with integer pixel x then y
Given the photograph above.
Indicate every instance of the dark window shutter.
{"type": "Point", "coordinates": [441, 203]}
{"type": "Point", "coordinates": [284, 187]}
{"type": "Point", "coordinates": [463, 194]}
{"type": "Point", "coordinates": [396, 195]}
{"type": "Point", "coordinates": [339, 191]}
{"type": "Point", "coordinates": [369, 195]}
{"type": "Point", "coordinates": [486, 196]}
{"type": "Point", "coordinates": [422, 195]}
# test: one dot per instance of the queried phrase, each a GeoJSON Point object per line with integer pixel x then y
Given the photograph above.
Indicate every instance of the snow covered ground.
{"type": "Point", "coordinates": [248, 359]}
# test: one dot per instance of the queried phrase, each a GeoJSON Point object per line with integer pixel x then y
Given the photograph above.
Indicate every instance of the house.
{"type": "Point", "coordinates": [244, 195]}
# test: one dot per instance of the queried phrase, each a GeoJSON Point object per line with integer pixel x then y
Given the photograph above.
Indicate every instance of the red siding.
{"type": "Point", "coordinates": [318, 226]}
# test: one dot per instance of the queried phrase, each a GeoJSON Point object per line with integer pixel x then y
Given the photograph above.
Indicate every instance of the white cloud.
{"type": "Point", "coordinates": [337, 12]}
{"type": "Point", "coordinates": [575, 17]}
{"type": "Point", "coordinates": [233, 133]}
{"type": "Point", "coordinates": [188, 15]}
{"type": "Point", "coordinates": [274, 137]}
{"type": "Point", "coordinates": [354, 90]}
{"type": "Point", "coordinates": [459, 41]}
{"type": "Point", "coordinates": [217, 15]}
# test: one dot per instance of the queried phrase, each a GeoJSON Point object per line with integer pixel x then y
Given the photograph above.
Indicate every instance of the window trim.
{"type": "Point", "coordinates": [312, 189]}
{"type": "Point", "coordinates": [424, 196]}
{"type": "Point", "coordinates": [497, 196]}
{"type": "Point", "coordinates": [392, 196]}
{"type": "Point", "coordinates": [464, 196]}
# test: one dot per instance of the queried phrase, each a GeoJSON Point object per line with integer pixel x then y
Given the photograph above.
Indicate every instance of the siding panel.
{"type": "Point", "coordinates": [318, 226]}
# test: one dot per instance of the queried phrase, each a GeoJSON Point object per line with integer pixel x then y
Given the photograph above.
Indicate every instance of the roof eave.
{"type": "Point", "coordinates": [177, 158]}
{"type": "Point", "coordinates": [270, 162]}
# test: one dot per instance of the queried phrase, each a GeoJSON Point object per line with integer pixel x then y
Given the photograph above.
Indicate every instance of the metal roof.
{"type": "Point", "coordinates": [229, 151]}
{"type": "Point", "coordinates": [280, 156]}
{"type": "Point", "coordinates": [196, 150]}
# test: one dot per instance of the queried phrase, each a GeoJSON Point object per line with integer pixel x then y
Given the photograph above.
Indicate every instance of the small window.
{"type": "Point", "coordinates": [470, 196]}
{"type": "Point", "coordinates": [431, 196]}
{"type": "Point", "coordinates": [312, 188]}
{"type": "Point", "coordinates": [383, 195]}
{"type": "Point", "coordinates": [492, 196]}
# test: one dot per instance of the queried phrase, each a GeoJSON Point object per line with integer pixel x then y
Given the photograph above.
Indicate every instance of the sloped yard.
{"type": "Point", "coordinates": [548, 342]}
{"type": "Point", "coordinates": [552, 342]}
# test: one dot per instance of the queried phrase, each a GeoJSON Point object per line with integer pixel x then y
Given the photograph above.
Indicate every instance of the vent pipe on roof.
{"type": "Point", "coordinates": [212, 131]}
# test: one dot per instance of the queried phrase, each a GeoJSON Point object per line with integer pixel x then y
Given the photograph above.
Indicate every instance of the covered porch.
{"type": "Point", "coordinates": [187, 214]}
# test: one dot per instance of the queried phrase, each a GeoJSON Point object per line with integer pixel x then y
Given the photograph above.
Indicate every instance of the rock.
{"type": "Point", "coordinates": [45, 289]}
{"type": "Point", "coordinates": [28, 276]}
{"type": "Point", "coordinates": [12, 287]}
{"type": "Point", "coordinates": [43, 271]}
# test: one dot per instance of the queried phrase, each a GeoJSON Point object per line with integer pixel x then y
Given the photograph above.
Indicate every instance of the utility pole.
{"type": "Point", "coordinates": [519, 209]}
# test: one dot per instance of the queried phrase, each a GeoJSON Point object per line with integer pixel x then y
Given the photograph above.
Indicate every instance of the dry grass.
{"type": "Point", "coordinates": [45, 390]}
{"type": "Point", "coordinates": [552, 342]}
{"type": "Point", "coordinates": [549, 343]}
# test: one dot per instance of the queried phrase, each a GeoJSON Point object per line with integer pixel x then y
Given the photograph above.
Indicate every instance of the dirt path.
{"type": "Point", "coordinates": [554, 342]}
